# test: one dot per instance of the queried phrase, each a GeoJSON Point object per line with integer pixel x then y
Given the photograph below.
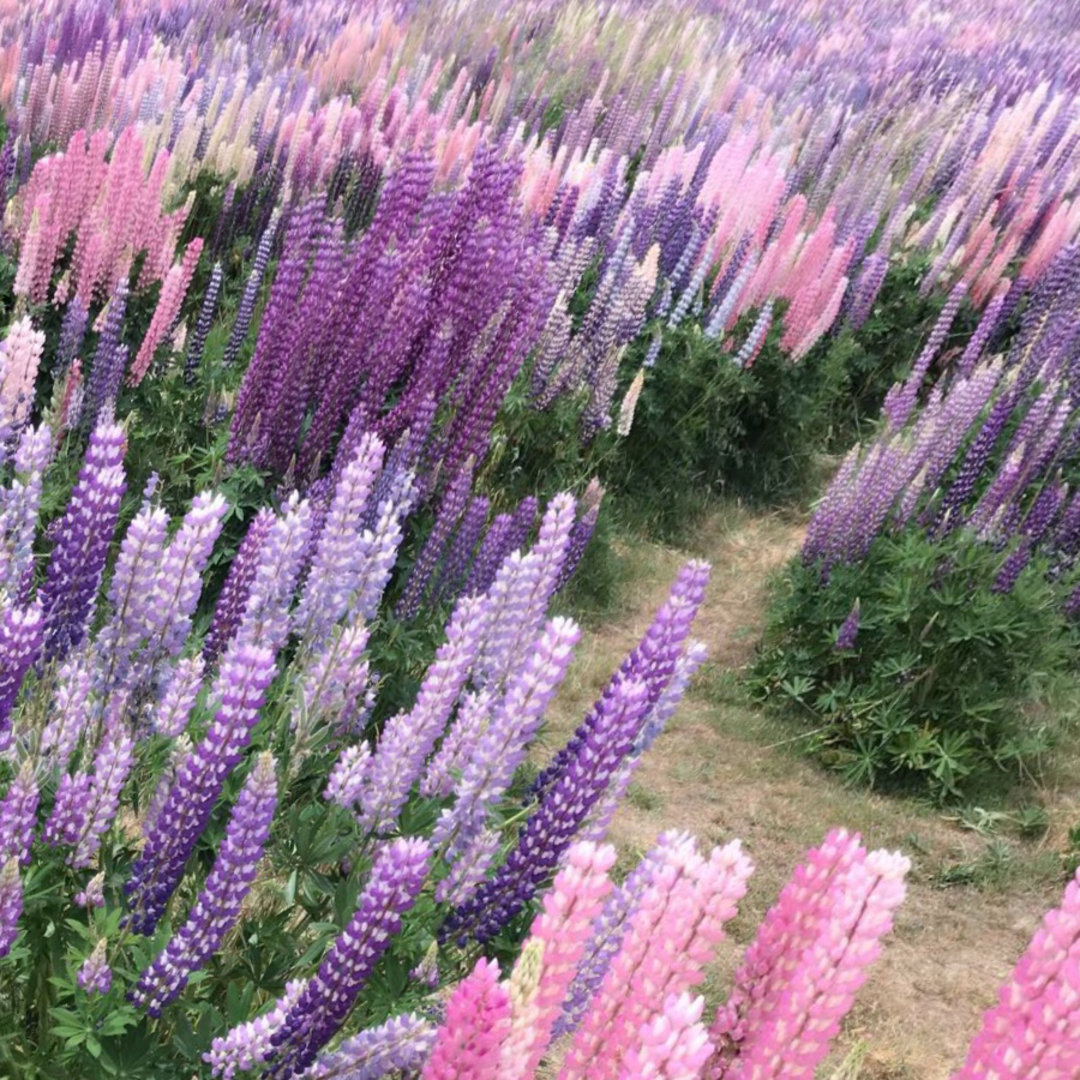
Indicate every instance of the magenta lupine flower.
{"type": "Point", "coordinates": [333, 579]}
{"type": "Point", "coordinates": [469, 1042]}
{"type": "Point", "coordinates": [22, 634]}
{"type": "Point", "coordinates": [81, 541]}
{"type": "Point", "coordinates": [398, 1047]}
{"type": "Point", "coordinates": [18, 816]}
{"type": "Point", "coordinates": [248, 1044]}
{"type": "Point", "coordinates": [111, 766]}
{"type": "Point", "coordinates": [218, 905]}
{"type": "Point", "coordinates": [408, 738]}
{"type": "Point", "coordinates": [234, 593]}
{"type": "Point", "coordinates": [11, 904]}
{"type": "Point", "coordinates": [95, 975]}
{"type": "Point", "coordinates": [245, 674]}
{"type": "Point", "coordinates": [392, 888]}
{"type": "Point", "coordinates": [169, 716]}
{"type": "Point", "coordinates": [1031, 1031]}
{"type": "Point", "coordinates": [563, 927]}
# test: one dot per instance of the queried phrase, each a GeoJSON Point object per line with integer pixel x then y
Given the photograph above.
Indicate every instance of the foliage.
{"type": "Point", "coordinates": [934, 692]}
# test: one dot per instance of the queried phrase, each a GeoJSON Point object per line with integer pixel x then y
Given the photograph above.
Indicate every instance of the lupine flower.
{"type": "Point", "coordinates": [218, 905]}
{"type": "Point", "coordinates": [169, 716]}
{"type": "Point", "coordinates": [246, 307]}
{"type": "Point", "coordinates": [197, 341]}
{"type": "Point", "coordinates": [22, 634]}
{"type": "Point", "coordinates": [849, 630]}
{"type": "Point", "coordinates": [21, 349]}
{"type": "Point", "coordinates": [18, 816]}
{"type": "Point", "coordinates": [82, 537]}
{"type": "Point", "coordinates": [95, 975]}
{"type": "Point", "coordinates": [69, 713]}
{"type": "Point", "coordinates": [673, 1046]}
{"type": "Point", "coordinates": [248, 1044]}
{"type": "Point", "coordinates": [93, 896]}
{"type": "Point", "coordinates": [401, 1045]}
{"type": "Point", "coordinates": [469, 1042]}
{"type": "Point", "coordinates": [11, 904]}
{"type": "Point", "coordinates": [111, 766]}
{"type": "Point", "coordinates": [18, 518]}
{"type": "Point", "coordinates": [392, 888]}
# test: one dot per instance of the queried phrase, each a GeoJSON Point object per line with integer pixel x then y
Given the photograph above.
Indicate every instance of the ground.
{"type": "Point", "coordinates": [724, 769]}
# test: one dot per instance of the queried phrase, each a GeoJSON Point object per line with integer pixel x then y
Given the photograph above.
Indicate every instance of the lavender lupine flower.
{"type": "Point", "coordinates": [379, 546]}
{"type": "Point", "coordinates": [82, 537]}
{"type": "Point", "coordinates": [519, 596]}
{"type": "Point", "coordinates": [234, 593]}
{"type": "Point", "coordinates": [18, 518]}
{"type": "Point", "coordinates": [18, 816]}
{"type": "Point", "coordinates": [246, 308]}
{"type": "Point", "coordinates": [450, 510]}
{"type": "Point", "coordinates": [22, 634]}
{"type": "Point", "coordinates": [169, 716]}
{"type": "Point", "coordinates": [11, 904]}
{"type": "Point", "coordinates": [72, 332]}
{"type": "Point", "coordinates": [110, 360]}
{"type": "Point", "coordinates": [849, 630]}
{"type": "Point", "coordinates": [93, 896]}
{"type": "Point", "coordinates": [563, 808]}
{"type": "Point", "coordinates": [333, 578]}
{"type": "Point", "coordinates": [393, 885]}
{"type": "Point", "coordinates": [71, 810]}
{"type": "Point", "coordinates": [470, 722]}
{"type": "Point", "coordinates": [179, 579]}
{"type": "Point", "coordinates": [398, 1047]}
{"type": "Point", "coordinates": [501, 748]}
{"type": "Point", "coordinates": [197, 341]}
{"type": "Point", "coordinates": [408, 738]}
{"type": "Point", "coordinates": [111, 766]}
{"type": "Point", "coordinates": [95, 975]}
{"type": "Point", "coordinates": [245, 674]}
{"type": "Point", "coordinates": [248, 1044]}
{"type": "Point", "coordinates": [218, 905]}
{"type": "Point", "coordinates": [69, 712]}
{"type": "Point", "coordinates": [348, 778]}
{"type": "Point", "coordinates": [581, 533]}
{"type": "Point", "coordinates": [131, 594]}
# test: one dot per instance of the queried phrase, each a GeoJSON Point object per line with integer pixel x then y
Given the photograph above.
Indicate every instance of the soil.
{"type": "Point", "coordinates": [723, 769]}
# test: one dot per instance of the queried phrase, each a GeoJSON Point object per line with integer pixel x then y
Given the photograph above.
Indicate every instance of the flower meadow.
{"type": "Point", "coordinates": [335, 336]}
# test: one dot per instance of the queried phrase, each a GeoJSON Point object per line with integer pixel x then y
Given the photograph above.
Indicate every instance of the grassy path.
{"type": "Point", "coordinates": [723, 769]}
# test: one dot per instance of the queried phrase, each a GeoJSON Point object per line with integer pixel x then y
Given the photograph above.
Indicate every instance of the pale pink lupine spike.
{"type": "Point", "coordinates": [563, 927]}
{"type": "Point", "coordinates": [1032, 1031]}
{"type": "Point", "coordinates": [477, 1021]}
{"type": "Point", "coordinates": [672, 1046]}
{"type": "Point", "coordinates": [671, 937]}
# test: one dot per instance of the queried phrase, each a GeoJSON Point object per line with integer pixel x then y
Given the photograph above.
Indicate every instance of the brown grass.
{"type": "Point", "coordinates": [723, 769]}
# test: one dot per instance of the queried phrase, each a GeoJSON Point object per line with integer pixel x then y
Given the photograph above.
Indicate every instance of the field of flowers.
{"type": "Point", "coordinates": [338, 339]}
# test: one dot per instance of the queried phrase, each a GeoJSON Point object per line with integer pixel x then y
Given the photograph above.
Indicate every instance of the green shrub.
{"type": "Point", "coordinates": [937, 688]}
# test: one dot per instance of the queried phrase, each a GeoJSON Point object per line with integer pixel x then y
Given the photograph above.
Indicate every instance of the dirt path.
{"type": "Point", "coordinates": [722, 770]}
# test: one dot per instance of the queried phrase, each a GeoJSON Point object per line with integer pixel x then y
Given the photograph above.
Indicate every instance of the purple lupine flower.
{"type": "Point", "coordinates": [519, 596]}
{"type": "Point", "coordinates": [348, 778]}
{"type": "Point", "coordinates": [471, 721]}
{"type": "Point", "coordinates": [248, 1044]}
{"type": "Point", "coordinates": [581, 533]}
{"type": "Point", "coordinates": [72, 332]}
{"type": "Point", "coordinates": [460, 553]}
{"type": "Point", "coordinates": [11, 904]}
{"type": "Point", "coordinates": [393, 885]}
{"type": "Point", "coordinates": [93, 896]}
{"type": "Point", "coordinates": [169, 716]}
{"type": "Point", "coordinates": [334, 576]}
{"type": "Point", "coordinates": [654, 659]}
{"type": "Point", "coordinates": [246, 672]}
{"type": "Point", "coordinates": [450, 510]}
{"type": "Point", "coordinates": [22, 634]}
{"type": "Point", "coordinates": [246, 308]}
{"type": "Point", "coordinates": [408, 738]}
{"type": "Point", "coordinates": [379, 546]}
{"type": "Point", "coordinates": [1013, 567]}
{"type": "Point", "coordinates": [131, 594]}
{"type": "Point", "coordinates": [563, 809]}
{"type": "Point", "coordinates": [399, 1046]}
{"type": "Point", "coordinates": [18, 816]}
{"type": "Point", "coordinates": [18, 518]}
{"type": "Point", "coordinates": [69, 712]}
{"type": "Point", "coordinates": [987, 325]}
{"type": "Point", "coordinates": [197, 341]}
{"type": "Point", "coordinates": [71, 810]}
{"type": "Point", "coordinates": [218, 905]}
{"type": "Point", "coordinates": [81, 542]}
{"type": "Point", "coordinates": [849, 630]}
{"type": "Point", "coordinates": [111, 766]}
{"type": "Point", "coordinates": [493, 550]}
{"type": "Point", "coordinates": [95, 975]}
{"type": "Point", "coordinates": [110, 360]}
{"type": "Point", "coordinates": [500, 749]}
{"type": "Point", "coordinates": [234, 593]}
{"type": "Point", "coordinates": [178, 582]}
